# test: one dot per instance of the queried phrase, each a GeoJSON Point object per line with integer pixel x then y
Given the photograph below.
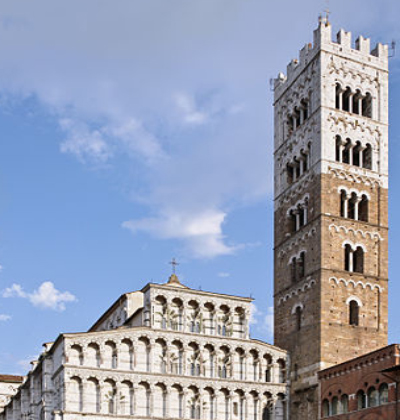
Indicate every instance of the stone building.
{"type": "Point", "coordinates": [363, 388]}
{"type": "Point", "coordinates": [166, 351]}
{"type": "Point", "coordinates": [331, 208]}
{"type": "Point", "coordinates": [9, 385]}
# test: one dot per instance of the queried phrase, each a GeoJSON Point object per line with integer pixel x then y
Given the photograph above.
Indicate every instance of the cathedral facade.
{"type": "Point", "coordinates": [165, 351]}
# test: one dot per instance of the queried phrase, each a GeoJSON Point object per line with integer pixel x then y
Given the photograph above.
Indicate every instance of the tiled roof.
{"type": "Point", "coordinates": [11, 378]}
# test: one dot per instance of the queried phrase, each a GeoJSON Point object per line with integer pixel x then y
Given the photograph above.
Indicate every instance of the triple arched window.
{"type": "Point", "coordinates": [354, 205]}
{"type": "Point", "coordinates": [353, 101]}
{"type": "Point", "coordinates": [298, 116]}
{"type": "Point", "coordinates": [353, 153]}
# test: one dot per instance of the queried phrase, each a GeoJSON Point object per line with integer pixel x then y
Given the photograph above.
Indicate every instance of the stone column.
{"type": "Point", "coordinates": [357, 202]}
{"type": "Point", "coordinates": [305, 212]}
{"type": "Point", "coordinates": [341, 99]}
{"type": "Point", "coordinates": [167, 403]}
{"type": "Point", "coordinates": [351, 102]}
{"type": "Point", "coordinates": [297, 214]}
{"type": "Point", "coordinates": [184, 404]}
{"type": "Point", "coordinates": [361, 158]}
{"type": "Point", "coordinates": [351, 261]}
{"type": "Point", "coordinates": [346, 205]}
{"type": "Point", "coordinates": [351, 154]}
{"type": "Point", "coordinates": [301, 166]}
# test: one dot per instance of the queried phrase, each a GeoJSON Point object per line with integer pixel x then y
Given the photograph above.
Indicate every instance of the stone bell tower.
{"type": "Point", "coordinates": [331, 208]}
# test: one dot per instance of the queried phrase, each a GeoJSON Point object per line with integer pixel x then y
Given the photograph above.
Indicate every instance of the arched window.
{"type": "Point", "coordinates": [335, 405]}
{"type": "Point", "coordinates": [76, 401]}
{"type": "Point", "coordinates": [344, 402]}
{"type": "Point", "coordinates": [352, 206]}
{"type": "Point", "coordinates": [338, 96]}
{"type": "Point", "coordinates": [298, 318]}
{"type": "Point", "coordinates": [367, 157]}
{"type": "Point", "coordinates": [383, 394]}
{"type": "Point", "coordinates": [293, 270]}
{"type": "Point", "coordinates": [346, 152]}
{"type": "Point", "coordinates": [361, 400]}
{"type": "Point", "coordinates": [339, 149]}
{"type": "Point", "coordinates": [280, 408]}
{"type": "Point", "coordinates": [373, 397]}
{"type": "Point", "coordinates": [325, 408]}
{"type": "Point", "coordinates": [353, 312]}
{"type": "Point", "coordinates": [357, 154]}
{"type": "Point", "coordinates": [343, 203]}
{"type": "Point", "coordinates": [363, 209]}
{"type": "Point", "coordinates": [301, 263]}
{"type": "Point", "coordinates": [357, 104]}
{"type": "Point", "coordinates": [358, 262]}
{"type": "Point", "coordinates": [348, 258]}
{"type": "Point", "coordinates": [282, 371]}
{"type": "Point", "coordinates": [367, 106]}
{"type": "Point", "coordinates": [346, 106]}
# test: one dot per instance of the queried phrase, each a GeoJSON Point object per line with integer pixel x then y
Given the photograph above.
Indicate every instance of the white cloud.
{"type": "Point", "coordinates": [4, 317]}
{"type": "Point", "coordinates": [223, 274]}
{"type": "Point", "coordinates": [269, 321]}
{"type": "Point", "coordinates": [135, 90]}
{"type": "Point", "coordinates": [1, 268]}
{"type": "Point", "coordinates": [202, 233]}
{"type": "Point", "coordinates": [188, 108]}
{"type": "Point", "coordinates": [46, 296]}
{"type": "Point", "coordinates": [100, 144]}
{"type": "Point", "coordinates": [263, 322]}
{"type": "Point", "coordinates": [14, 291]}
{"type": "Point", "coordinates": [84, 143]}
{"type": "Point", "coordinates": [254, 313]}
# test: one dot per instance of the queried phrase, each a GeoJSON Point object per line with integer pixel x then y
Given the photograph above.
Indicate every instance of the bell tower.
{"type": "Point", "coordinates": [331, 208]}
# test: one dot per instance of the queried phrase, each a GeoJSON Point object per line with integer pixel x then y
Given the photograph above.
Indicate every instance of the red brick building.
{"type": "Point", "coordinates": [364, 388]}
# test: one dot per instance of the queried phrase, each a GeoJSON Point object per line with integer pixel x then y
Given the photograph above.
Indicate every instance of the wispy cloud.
{"type": "Point", "coordinates": [263, 322]}
{"type": "Point", "coordinates": [269, 320]}
{"type": "Point", "coordinates": [202, 233]}
{"type": "Point", "coordinates": [189, 109]}
{"type": "Point", "coordinates": [223, 274]}
{"type": "Point", "coordinates": [187, 104]}
{"type": "Point", "coordinates": [46, 296]}
{"type": "Point", "coordinates": [4, 317]}
{"type": "Point", "coordinates": [100, 143]}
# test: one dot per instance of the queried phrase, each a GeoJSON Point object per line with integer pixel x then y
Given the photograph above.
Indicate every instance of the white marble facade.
{"type": "Point", "coordinates": [166, 351]}
{"type": "Point", "coordinates": [9, 385]}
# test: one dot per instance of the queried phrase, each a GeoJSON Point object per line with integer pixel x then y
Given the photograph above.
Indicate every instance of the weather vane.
{"type": "Point", "coordinates": [174, 264]}
{"type": "Point", "coordinates": [327, 11]}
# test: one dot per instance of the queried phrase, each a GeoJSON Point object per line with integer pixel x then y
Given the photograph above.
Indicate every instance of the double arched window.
{"type": "Point", "coordinates": [353, 259]}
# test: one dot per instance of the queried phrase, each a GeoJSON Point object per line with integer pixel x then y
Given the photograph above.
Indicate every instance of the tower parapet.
{"type": "Point", "coordinates": [322, 40]}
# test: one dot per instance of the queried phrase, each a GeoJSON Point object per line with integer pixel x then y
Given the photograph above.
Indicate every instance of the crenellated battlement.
{"type": "Point", "coordinates": [343, 46]}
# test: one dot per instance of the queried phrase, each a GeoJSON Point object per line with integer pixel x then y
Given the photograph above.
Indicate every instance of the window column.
{"type": "Point", "coordinates": [356, 205]}
{"type": "Point", "coordinates": [297, 215]}
{"type": "Point", "coordinates": [351, 260]}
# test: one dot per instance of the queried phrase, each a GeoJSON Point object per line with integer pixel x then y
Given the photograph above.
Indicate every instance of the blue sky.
{"type": "Point", "coordinates": [137, 131]}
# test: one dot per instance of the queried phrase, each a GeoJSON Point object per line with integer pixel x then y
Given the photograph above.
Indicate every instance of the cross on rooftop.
{"type": "Point", "coordinates": [174, 264]}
